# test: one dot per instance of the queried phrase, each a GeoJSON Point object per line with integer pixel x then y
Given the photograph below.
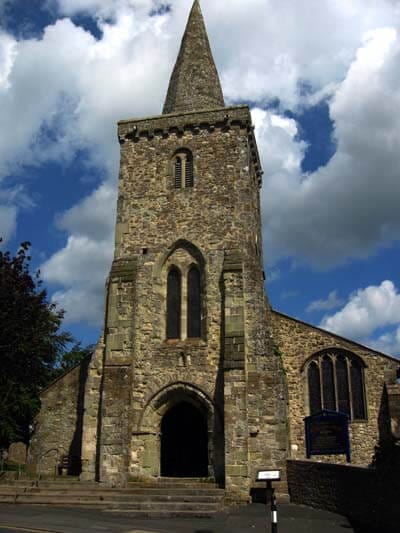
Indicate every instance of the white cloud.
{"type": "Point", "coordinates": [94, 217]}
{"type": "Point", "coordinates": [81, 268]}
{"type": "Point", "coordinates": [63, 93]}
{"type": "Point", "coordinates": [8, 222]}
{"type": "Point", "coordinates": [349, 207]}
{"type": "Point", "coordinates": [325, 305]}
{"type": "Point", "coordinates": [367, 310]}
{"type": "Point", "coordinates": [388, 342]}
{"type": "Point", "coordinates": [7, 58]}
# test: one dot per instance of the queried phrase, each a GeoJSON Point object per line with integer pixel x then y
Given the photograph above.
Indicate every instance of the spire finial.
{"type": "Point", "coordinates": [194, 83]}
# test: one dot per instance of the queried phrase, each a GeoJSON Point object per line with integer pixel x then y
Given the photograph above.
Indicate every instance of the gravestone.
{"type": "Point", "coordinates": [17, 453]}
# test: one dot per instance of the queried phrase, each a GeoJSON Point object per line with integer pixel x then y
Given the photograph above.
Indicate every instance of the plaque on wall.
{"type": "Point", "coordinates": [327, 433]}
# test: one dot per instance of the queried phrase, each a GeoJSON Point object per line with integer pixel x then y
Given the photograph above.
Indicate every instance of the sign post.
{"type": "Point", "coordinates": [327, 433]}
{"type": "Point", "coordinates": [269, 476]}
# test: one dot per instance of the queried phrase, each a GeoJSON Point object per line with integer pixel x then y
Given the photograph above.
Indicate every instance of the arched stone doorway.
{"type": "Point", "coordinates": [165, 417]}
{"type": "Point", "coordinates": [184, 442]}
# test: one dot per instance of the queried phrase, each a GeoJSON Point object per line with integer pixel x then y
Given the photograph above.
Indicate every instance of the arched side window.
{"type": "Point", "coordinates": [174, 302]}
{"type": "Point", "coordinates": [193, 303]}
{"type": "Point", "coordinates": [183, 169]}
{"type": "Point", "coordinates": [336, 382]}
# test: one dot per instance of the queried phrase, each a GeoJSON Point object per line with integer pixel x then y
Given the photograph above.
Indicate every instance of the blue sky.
{"type": "Point", "coordinates": [322, 79]}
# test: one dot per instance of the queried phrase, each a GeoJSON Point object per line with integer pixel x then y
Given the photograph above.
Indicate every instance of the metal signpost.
{"type": "Point", "coordinates": [269, 476]}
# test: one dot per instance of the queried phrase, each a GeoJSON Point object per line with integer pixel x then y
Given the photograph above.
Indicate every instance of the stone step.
{"type": "Point", "coordinates": [148, 505]}
{"type": "Point", "coordinates": [129, 493]}
{"type": "Point", "coordinates": [100, 486]}
{"type": "Point", "coordinates": [113, 496]}
{"type": "Point", "coordinates": [140, 499]}
{"type": "Point", "coordinates": [169, 497]}
{"type": "Point", "coordinates": [160, 514]}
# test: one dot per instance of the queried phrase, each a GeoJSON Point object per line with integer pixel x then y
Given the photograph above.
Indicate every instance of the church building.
{"type": "Point", "coordinates": [195, 375]}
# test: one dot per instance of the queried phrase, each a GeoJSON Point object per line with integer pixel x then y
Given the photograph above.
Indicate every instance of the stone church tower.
{"type": "Point", "coordinates": [187, 339]}
{"type": "Point", "coordinates": [195, 375]}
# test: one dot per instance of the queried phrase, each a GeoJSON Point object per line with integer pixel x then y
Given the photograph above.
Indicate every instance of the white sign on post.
{"type": "Point", "coordinates": [268, 475]}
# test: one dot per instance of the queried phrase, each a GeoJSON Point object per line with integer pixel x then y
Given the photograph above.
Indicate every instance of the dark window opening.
{"type": "Point", "coordinates": [328, 384]}
{"type": "Point", "coordinates": [194, 304]}
{"type": "Point", "coordinates": [314, 388]}
{"type": "Point", "coordinates": [178, 173]}
{"type": "Point", "coordinates": [174, 304]}
{"type": "Point", "coordinates": [357, 390]}
{"type": "Point", "coordinates": [184, 442]}
{"type": "Point", "coordinates": [342, 382]}
{"type": "Point", "coordinates": [189, 170]}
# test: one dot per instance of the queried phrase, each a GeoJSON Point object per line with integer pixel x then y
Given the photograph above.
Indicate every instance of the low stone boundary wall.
{"type": "Point", "coordinates": [368, 497]}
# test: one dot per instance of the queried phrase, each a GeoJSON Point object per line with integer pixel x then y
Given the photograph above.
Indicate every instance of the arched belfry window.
{"type": "Point", "coordinates": [174, 303]}
{"type": "Point", "coordinates": [183, 169]}
{"type": "Point", "coordinates": [193, 303]}
{"type": "Point", "coordinates": [335, 381]}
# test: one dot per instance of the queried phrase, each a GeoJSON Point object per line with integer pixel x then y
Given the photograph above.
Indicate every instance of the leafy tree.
{"type": "Point", "coordinates": [30, 344]}
{"type": "Point", "coordinates": [71, 358]}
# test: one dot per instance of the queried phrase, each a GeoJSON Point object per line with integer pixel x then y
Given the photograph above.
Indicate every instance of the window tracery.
{"type": "Point", "coordinates": [335, 381]}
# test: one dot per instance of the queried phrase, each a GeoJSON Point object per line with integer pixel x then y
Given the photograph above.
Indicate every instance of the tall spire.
{"type": "Point", "coordinates": [194, 83]}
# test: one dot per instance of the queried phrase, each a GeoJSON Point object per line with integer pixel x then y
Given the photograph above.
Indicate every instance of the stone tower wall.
{"type": "Point", "coordinates": [216, 225]}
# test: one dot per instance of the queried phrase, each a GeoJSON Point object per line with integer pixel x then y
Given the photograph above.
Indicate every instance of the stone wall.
{"type": "Point", "coordinates": [58, 427]}
{"type": "Point", "coordinates": [297, 342]}
{"type": "Point", "coordinates": [367, 497]}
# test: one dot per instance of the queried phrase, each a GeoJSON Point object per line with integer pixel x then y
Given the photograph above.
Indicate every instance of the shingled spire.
{"type": "Point", "coordinates": [194, 84]}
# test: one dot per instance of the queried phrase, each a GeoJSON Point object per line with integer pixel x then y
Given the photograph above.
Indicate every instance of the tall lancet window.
{"type": "Point", "coordinates": [193, 303]}
{"type": "Point", "coordinates": [174, 304]}
{"type": "Point", "coordinates": [183, 169]}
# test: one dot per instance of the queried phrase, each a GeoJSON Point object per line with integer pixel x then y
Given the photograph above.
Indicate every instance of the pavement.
{"type": "Point", "coordinates": [251, 519]}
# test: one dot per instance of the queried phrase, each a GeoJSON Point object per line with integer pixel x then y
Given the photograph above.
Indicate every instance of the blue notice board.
{"type": "Point", "coordinates": [327, 433]}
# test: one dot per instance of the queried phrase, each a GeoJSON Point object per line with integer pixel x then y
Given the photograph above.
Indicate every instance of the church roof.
{"type": "Point", "coordinates": [194, 83]}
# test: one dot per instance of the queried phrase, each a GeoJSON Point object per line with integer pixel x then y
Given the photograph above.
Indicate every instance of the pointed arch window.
{"type": "Point", "coordinates": [183, 169]}
{"type": "Point", "coordinates": [193, 303]}
{"type": "Point", "coordinates": [335, 381]}
{"type": "Point", "coordinates": [174, 302]}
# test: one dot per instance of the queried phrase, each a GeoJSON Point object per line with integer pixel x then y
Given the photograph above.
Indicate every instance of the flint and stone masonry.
{"type": "Point", "coordinates": [245, 375]}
